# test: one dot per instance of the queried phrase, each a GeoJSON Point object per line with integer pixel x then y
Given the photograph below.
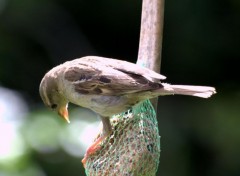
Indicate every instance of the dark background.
{"type": "Point", "coordinates": [201, 46]}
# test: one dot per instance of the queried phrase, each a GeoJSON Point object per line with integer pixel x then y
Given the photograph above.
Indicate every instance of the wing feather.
{"type": "Point", "coordinates": [101, 76]}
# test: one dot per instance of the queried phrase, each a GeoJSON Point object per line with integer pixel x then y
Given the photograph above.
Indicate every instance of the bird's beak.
{"type": "Point", "coordinates": [63, 112]}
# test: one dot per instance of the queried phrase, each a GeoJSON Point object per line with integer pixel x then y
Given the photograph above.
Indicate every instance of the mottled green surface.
{"type": "Point", "coordinates": [133, 149]}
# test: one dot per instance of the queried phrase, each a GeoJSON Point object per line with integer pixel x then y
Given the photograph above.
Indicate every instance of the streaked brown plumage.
{"type": "Point", "coordinates": [106, 86]}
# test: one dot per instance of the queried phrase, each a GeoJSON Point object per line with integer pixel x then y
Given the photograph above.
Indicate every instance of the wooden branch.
{"type": "Point", "coordinates": [150, 44]}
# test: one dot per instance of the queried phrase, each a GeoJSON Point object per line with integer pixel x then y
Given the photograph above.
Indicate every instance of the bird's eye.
{"type": "Point", "coordinates": [54, 106]}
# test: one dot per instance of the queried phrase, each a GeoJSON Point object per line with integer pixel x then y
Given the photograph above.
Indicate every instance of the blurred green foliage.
{"type": "Point", "coordinates": [200, 46]}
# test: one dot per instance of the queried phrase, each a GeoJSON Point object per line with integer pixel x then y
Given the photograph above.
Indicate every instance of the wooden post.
{"type": "Point", "coordinates": [150, 44]}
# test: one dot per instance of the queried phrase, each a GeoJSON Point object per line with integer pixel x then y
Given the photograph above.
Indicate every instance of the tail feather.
{"type": "Point", "coordinates": [198, 91]}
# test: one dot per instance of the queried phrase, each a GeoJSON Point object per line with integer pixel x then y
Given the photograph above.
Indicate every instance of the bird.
{"type": "Point", "coordinates": [106, 86]}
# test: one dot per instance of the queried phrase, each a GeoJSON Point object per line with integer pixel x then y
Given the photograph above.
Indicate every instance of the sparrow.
{"type": "Point", "coordinates": [107, 87]}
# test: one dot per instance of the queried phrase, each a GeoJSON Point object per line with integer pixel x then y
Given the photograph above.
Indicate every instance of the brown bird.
{"type": "Point", "coordinates": [107, 87]}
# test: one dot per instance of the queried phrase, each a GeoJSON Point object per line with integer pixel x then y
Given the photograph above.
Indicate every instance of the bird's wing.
{"type": "Point", "coordinates": [88, 78]}
{"type": "Point", "coordinates": [124, 66]}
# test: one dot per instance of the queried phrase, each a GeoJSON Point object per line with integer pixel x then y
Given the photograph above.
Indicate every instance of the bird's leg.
{"type": "Point", "coordinates": [107, 129]}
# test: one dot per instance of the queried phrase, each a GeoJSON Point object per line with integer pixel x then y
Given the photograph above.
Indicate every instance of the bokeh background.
{"type": "Point", "coordinates": [201, 45]}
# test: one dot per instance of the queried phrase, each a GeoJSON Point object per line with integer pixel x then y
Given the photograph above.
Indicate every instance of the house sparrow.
{"type": "Point", "coordinates": [107, 87]}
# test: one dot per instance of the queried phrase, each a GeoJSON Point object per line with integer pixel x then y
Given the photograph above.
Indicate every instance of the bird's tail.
{"type": "Point", "coordinates": [198, 91]}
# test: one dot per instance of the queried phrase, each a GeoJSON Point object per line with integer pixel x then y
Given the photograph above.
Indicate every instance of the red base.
{"type": "Point", "coordinates": [92, 149]}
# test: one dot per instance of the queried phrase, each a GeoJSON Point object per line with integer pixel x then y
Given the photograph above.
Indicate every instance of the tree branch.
{"type": "Point", "coordinates": [150, 44]}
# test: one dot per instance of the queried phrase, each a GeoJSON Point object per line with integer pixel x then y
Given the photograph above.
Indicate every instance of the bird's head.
{"type": "Point", "coordinates": [52, 97]}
